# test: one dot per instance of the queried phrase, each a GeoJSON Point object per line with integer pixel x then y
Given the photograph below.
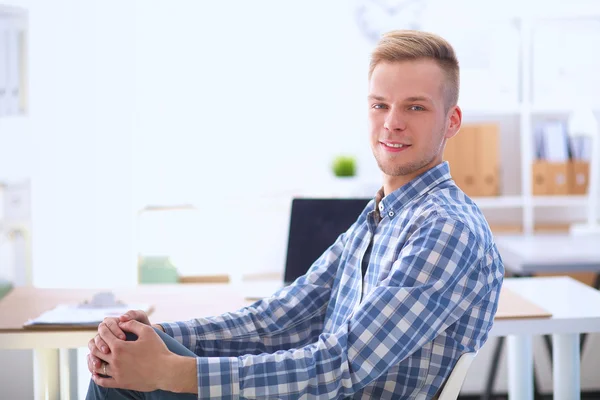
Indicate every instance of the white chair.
{"type": "Point", "coordinates": [457, 377]}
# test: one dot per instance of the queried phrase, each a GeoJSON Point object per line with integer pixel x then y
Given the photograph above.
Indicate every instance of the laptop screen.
{"type": "Point", "coordinates": [315, 224]}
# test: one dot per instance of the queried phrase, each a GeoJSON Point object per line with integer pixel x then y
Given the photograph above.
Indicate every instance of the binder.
{"type": "Point", "coordinates": [487, 160]}
{"type": "Point", "coordinates": [462, 148]}
{"type": "Point", "coordinates": [13, 95]}
{"type": "Point", "coordinates": [22, 60]}
{"type": "Point", "coordinates": [3, 65]}
{"type": "Point", "coordinates": [474, 160]}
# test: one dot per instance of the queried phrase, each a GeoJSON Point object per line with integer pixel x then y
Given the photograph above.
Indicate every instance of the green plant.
{"type": "Point", "coordinates": [344, 166]}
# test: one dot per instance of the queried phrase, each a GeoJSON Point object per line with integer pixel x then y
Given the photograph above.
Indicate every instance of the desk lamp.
{"type": "Point", "coordinates": [583, 123]}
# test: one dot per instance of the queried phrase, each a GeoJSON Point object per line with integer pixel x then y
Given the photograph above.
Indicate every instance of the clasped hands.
{"type": "Point", "coordinates": [140, 365]}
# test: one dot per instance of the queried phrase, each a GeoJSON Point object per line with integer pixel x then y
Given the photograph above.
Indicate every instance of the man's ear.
{"type": "Point", "coordinates": [455, 121]}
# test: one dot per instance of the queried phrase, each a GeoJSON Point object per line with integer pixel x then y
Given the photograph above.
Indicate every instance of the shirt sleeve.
{"type": "Point", "coordinates": [440, 273]}
{"type": "Point", "coordinates": [292, 317]}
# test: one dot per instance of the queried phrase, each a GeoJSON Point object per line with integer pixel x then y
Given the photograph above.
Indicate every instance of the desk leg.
{"type": "Point", "coordinates": [45, 374]}
{"type": "Point", "coordinates": [520, 367]}
{"type": "Point", "coordinates": [566, 366]}
{"type": "Point", "coordinates": [68, 374]}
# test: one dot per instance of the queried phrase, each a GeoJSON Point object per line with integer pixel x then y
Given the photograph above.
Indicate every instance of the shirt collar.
{"type": "Point", "coordinates": [391, 204]}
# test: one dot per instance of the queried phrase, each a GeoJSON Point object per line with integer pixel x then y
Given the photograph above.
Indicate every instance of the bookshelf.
{"type": "Point", "coordinates": [527, 110]}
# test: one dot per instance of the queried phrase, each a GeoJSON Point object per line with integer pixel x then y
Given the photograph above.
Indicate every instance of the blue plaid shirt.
{"type": "Point", "coordinates": [430, 293]}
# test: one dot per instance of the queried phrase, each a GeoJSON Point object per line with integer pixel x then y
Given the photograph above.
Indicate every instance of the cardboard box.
{"type": "Point", "coordinates": [488, 160]}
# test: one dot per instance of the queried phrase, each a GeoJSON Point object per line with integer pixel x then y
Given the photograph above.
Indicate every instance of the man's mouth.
{"type": "Point", "coordinates": [395, 147]}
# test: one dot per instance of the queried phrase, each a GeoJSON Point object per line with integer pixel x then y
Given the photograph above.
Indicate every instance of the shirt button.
{"type": "Point", "coordinates": [380, 206]}
{"type": "Point", "coordinates": [391, 213]}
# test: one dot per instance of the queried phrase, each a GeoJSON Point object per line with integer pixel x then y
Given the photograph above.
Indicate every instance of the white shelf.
{"type": "Point", "coordinates": [498, 202]}
{"type": "Point", "coordinates": [560, 201]}
{"type": "Point", "coordinates": [557, 108]}
{"type": "Point", "coordinates": [508, 109]}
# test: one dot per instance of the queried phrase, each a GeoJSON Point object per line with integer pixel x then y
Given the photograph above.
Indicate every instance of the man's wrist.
{"type": "Point", "coordinates": [181, 375]}
{"type": "Point", "coordinates": [158, 326]}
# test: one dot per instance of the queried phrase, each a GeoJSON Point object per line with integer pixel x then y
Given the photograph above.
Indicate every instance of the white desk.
{"type": "Point", "coordinates": [526, 255]}
{"type": "Point", "coordinates": [51, 346]}
{"type": "Point", "coordinates": [574, 306]}
{"type": "Point", "coordinates": [575, 309]}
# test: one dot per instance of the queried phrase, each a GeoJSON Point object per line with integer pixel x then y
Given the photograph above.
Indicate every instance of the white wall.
{"type": "Point", "coordinates": [75, 143]}
{"type": "Point", "coordinates": [264, 91]}
{"type": "Point", "coordinates": [207, 102]}
{"type": "Point", "coordinates": [252, 98]}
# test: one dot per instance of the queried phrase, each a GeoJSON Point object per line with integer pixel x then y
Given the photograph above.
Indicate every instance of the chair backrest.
{"type": "Point", "coordinates": [457, 377]}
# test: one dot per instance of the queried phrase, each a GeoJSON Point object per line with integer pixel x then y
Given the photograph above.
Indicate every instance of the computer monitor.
{"type": "Point", "coordinates": [315, 224]}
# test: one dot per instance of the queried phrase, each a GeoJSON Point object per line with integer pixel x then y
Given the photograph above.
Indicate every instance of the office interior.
{"type": "Point", "coordinates": [146, 142]}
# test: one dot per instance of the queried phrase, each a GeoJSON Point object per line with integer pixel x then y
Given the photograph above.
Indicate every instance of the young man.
{"type": "Point", "coordinates": [384, 313]}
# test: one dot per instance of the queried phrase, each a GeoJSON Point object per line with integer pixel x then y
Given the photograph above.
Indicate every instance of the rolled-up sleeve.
{"type": "Point", "coordinates": [440, 273]}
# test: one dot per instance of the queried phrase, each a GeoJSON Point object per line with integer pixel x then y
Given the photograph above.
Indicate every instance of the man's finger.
{"type": "Point", "coordinates": [90, 363]}
{"type": "Point", "coordinates": [94, 363]}
{"type": "Point", "coordinates": [98, 356]}
{"type": "Point", "coordinates": [111, 324]}
{"type": "Point", "coordinates": [135, 327]}
{"type": "Point", "coordinates": [103, 369]}
{"type": "Point", "coordinates": [92, 344]}
{"type": "Point", "coordinates": [107, 336]}
{"type": "Point", "coordinates": [127, 316]}
{"type": "Point", "coordinates": [138, 315]}
{"type": "Point", "coordinates": [100, 344]}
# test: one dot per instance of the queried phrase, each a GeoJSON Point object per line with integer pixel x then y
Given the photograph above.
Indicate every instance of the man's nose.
{"type": "Point", "coordinates": [394, 121]}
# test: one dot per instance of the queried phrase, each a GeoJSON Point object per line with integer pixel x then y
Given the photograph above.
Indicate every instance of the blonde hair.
{"type": "Point", "coordinates": [405, 45]}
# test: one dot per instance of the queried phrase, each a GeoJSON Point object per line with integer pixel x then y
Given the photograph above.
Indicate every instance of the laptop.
{"type": "Point", "coordinates": [315, 224]}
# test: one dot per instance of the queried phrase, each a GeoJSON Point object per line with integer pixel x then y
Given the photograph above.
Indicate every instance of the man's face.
{"type": "Point", "coordinates": [408, 120]}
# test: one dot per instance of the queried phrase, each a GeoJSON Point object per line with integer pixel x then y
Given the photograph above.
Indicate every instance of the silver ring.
{"type": "Point", "coordinates": [104, 369]}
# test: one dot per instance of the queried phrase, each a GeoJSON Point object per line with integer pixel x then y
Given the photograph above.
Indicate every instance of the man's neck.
{"type": "Point", "coordinates": [393, 183]}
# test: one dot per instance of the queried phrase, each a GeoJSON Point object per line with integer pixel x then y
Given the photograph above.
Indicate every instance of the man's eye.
{"type": "Point", "coordinates": [378, 106]}
{"type": "Point", "coordinates": [416, 108]}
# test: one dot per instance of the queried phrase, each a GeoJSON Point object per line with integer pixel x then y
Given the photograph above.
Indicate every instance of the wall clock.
{"type": "Point", "coordinates": [375, 17]}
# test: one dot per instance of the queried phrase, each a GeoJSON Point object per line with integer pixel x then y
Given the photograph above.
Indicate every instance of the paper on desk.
{"type": "Point", "coordinates": [65, 314]}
